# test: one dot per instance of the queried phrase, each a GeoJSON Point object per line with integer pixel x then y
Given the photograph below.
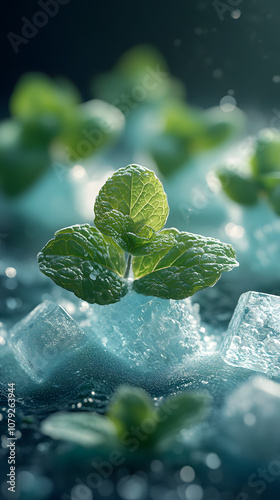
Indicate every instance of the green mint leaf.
{"type": "Point", "coordinates": [242, 190]}
{"type": "Point", "coordinates": [36, 94]}
{"type": "Point", "coordinates": [22, 162]}
{"type": "Point", "coordinates": [274, 199]}
{"type": "Point", "coordinates": [270, 181]}
{"type": "Point", "coordinates": [138, 64]}
{"type": "Point", "coordinates": [187, 131]}
{"type": "Point", "coordinates": [170, 153]}
{"type": "Point", "coordinates": [94, 125]}
{"type": "Point", "coordinates": [129, 407]}
{"type": "Point", "coordinates": [193, 263]}
{"type": "Point", "coordinates": [219, 127]}
{"type": "Point", "coordinates": [267, 152]}
{"type": "Point", "coordinates": [85, 262]}
{"type": "Point", "coordinates": [159, 241]}
{"type": "Point", "coordinates": [82, 428]}
{"type": "Point", "coordinates": [131, 206]}
{"type": "Point", "coordinates": [179, 412]}
{"type": "Point", "coordinates": [144, 263]}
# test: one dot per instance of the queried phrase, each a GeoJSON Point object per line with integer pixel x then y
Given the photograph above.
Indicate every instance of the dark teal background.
{"type": "Point", "coordinates": [86, 37]}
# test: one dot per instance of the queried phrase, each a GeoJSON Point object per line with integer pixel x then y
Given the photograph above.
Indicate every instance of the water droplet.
{"type": "Point", "coordinates": [10, 272]}
{"type": "Point", "coordinates": [234, 231]}
{"type": "Point", "coordinates": [227, 103]}
{"type": "Point", "coordinates": [213, 461]}
{"type": "Point", "coordinates": [236, 14]}
{"type": "Point", "coordinates": [78, 172]}
{"type": "Point", "coordinates": [218, 73]}
{"type": "Point", "coordinates": [194, 492]}
{"type": "Point", "coordinates": [249, 419]}
{"type": "Point", "coordinates": [187, 474]}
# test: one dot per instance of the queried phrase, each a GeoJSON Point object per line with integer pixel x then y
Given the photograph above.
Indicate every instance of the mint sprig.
{"type": "Point", "coordinates": [248, 183]}
{"type": "Point", "coordinates": [131, 408]}
{"type": "Point", "coordinates": [131, 210]}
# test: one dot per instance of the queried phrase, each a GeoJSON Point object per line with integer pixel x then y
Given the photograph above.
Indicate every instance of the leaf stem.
{"type": "Point", "coordinates": [128, 266]}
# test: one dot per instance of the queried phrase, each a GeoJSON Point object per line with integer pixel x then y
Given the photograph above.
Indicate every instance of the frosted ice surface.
{"type": "Point", "coordinates": [253, 335]}
{"type": "Point", "coordinates": [132, 341]}
{"type": "Point", "coordinates": [44, 338]}
{"type": "Point", "coordinates": [250, 418]}
{"type": "Point", "coordinates": [147, 332]}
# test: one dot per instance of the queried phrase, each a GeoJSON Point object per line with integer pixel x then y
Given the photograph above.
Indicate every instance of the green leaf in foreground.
{"type": "Point", "coordinates": [85, 262]}
{"type": "Point", "coordinates": [180, 412]}
{"type": "Point", "coordinates": [84, 429]}
{"type": "Point", "coordinates": [129, 407]}
{"type": "Point", "coordinates": [131, 206]}
{"type": "Point", "coordinates": [243, 190]}
{"type": "Point", "coordinates": [193, 263]}
{"type": "Point", "coordinates": [133, 426]}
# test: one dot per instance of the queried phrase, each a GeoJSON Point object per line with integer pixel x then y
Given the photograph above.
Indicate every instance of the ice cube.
{"type": "Point", "coordinates": [250, 419]}
{"type": "Point", "coordinates": [253, 335]}
{"type": "Point", "coordinates": [139, 340]}
{"type": "Point", "coordinates": [147, 332]}
{"type": "Point", "coordinates": [45, 338]}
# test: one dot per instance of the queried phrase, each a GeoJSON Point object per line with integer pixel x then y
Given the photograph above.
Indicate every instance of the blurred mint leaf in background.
{"type": "Point", "coordinates": [266, 158]}
{"type": "Point", "coordinates": [36, 94]}
{"type": "Point", "coordinates": [274, 199]}
{"type": "Point", "coordinates": [141, 66]}
{"type": "Point", "coordinates": [24, 156]}
{"type": "Point", "coordinates": [94, 125]}
{"type": "Point", "coordinates": [184, 131]}
{"type": "Point", "coordinates": [243, 190]}
{"type": "Point", "coordinates": [259, 177]}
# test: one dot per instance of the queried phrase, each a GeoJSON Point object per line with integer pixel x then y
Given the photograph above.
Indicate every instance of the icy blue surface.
{"type": "Point", "coordinates": [45, 338]}
{"type": "Point", "coordinates": [140, 340]}
{"type": "Point", "coordinates": [149, 333]}
{"type": "Point", "coordinates": [250, 419]}
{"type": "Point", "coordinates": [253, 335]}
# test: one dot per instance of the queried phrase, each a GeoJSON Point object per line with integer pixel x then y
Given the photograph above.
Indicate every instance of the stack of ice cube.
{"type": "Point", "coordinates": [135, 339]}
